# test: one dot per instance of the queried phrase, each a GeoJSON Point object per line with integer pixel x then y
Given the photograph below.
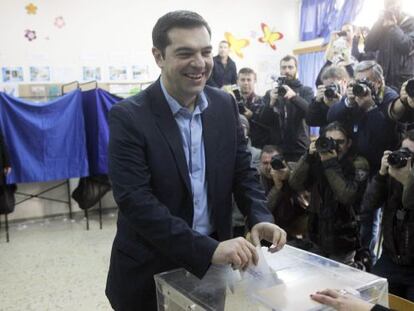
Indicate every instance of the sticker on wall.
{"type": "Point", "coordinates": [12, 74]}
{"type": "Point", "coordinates": [270, 37]}
{"type": "Point", "coordinates": [31, 9]}
{"type": "Point", "coordinates": [236, 45]}
{"type": "Point", "coordinates": [59, 22]}
{"type": "Point", "coordinates": [117, 73]}
{"type": "Point", "coordinates": [30, 34]}
{"type": "Point", "coordinates": [39, 74]}
{"type": "Point", "coordinates": [91, 73]}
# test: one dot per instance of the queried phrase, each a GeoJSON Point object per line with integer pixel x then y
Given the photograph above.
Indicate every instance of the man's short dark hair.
{"type": "Point", "coordinates": [269, 149]}
{"type": "Point", "coordinates": [175, 19]}
{"type": "Point", "coordinates": [289, 58]}
{"type": "Point", "coordinates": [246, 71]}
{"type": "Point", "coordinates": [334, 72]}
{"type": "Point", "coordinates": [224, 41]}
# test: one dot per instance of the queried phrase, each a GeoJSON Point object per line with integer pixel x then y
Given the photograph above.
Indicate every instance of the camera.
{"type": "Point", "coordinates": [409, 88]}
{"type": "Point", "coordinates": [277, 162]}
{"type": "Point", "coordinates": [399, 158]}
{"type": "Point", "coordinates": [281, 91]}
{"type": "Point", "coordinates": [239, 99]}
{"type": "Point", "coordinates": [342, 34]}
{"type": "Point", "coordinates": [325, 144]}
{"type": "Point", "coordinates": [361, 88]}
{"type": "Point", "coordinates": [331, 90]}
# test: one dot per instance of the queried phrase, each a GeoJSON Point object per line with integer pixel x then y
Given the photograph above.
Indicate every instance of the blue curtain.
{"type": "Point", "coordinates": [319, 18]}
{"type": "Point", "coordinates": [46, 141]}
{"type": "Point", "coordinates": [309, 66]}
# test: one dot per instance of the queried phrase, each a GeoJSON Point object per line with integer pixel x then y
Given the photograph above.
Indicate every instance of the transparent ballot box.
{"type": "Point", "coordinates": [284, 283]}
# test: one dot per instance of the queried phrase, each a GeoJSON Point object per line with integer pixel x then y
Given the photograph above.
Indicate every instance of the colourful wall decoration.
{"type": "Point", "coordinates": [236, 45]}
{"type": "Point", "coordinates": [59, 22]}
{"type": "Point", "coordinates": [30, 34]}
{"type": "Point", "coordinates": [31, 9]}
{"type": "Point", "coordinates": [269, 36]}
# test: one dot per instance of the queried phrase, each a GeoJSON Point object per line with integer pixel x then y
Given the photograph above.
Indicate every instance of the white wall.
{"type": "Point", "coordinates": [118, 32]}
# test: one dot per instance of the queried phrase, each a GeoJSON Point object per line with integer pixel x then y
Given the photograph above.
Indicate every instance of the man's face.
{"type": "Point", "coordinates": [224, 49]}
{"type": "Point", "coordinates": [288, 69]}
{"type": "Point", "coordinates": [343, 143]}
{"type": "Point", "coordinates": [246, 83]}
{"type": "Point", "coordinates": [187, 63]}
{"type": "Point", "coordinates": [407, 143]}
{"type": "Point", "coordinates": [265, 166]}
{"type": "Point", "coordinates": [342, 83]}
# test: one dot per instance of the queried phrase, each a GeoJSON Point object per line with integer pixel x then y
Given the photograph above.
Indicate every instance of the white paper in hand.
{"type": "Point", "coordinates": [261, 270]}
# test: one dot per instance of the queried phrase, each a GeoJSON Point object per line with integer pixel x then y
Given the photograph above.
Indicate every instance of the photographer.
{"type": "Point", "coordinates": [335, 80]}
{"type": "Point", "coordinates": [287, 206]}
{"type": "Point", "coordinates": [364, 111]}
{"type": "Point", "coordinates": [393, 37]}
{"type": "Point", "coordinates": [252, 105]}
{"type": "Point", "coordinates": [336, 177]}
{"type": "Point", "coordinates": [285, 111]}
{"type": "Point", "coordinates": [394, 186]}
{"type": "Point", "coordinates": [402, 110]}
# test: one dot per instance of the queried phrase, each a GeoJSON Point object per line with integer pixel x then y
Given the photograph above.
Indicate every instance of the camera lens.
{"type": "Point", "coordinates": [409, 88]}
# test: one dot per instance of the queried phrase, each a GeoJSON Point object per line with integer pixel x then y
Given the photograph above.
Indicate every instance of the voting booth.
{"type": "Point", "coordinates": [281, 281]}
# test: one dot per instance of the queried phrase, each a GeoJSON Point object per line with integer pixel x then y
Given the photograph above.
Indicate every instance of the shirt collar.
{"type": "Point", "coordinates": [201, 102]}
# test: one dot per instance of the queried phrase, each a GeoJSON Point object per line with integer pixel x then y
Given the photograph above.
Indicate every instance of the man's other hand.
{"type": "Point", "coordinates": [269, 232]}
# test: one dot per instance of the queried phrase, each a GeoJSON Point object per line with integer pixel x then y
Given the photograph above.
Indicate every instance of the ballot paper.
{"type": "Point", "coordinates": [259, 271]}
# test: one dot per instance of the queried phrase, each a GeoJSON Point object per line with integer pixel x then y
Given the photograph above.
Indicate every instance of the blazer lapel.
{"type": "Point", "coordinates": [169, 128]}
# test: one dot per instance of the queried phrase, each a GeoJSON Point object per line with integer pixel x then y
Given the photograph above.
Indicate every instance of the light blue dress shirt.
{"type": "Point", "coordinates": [191, 129]}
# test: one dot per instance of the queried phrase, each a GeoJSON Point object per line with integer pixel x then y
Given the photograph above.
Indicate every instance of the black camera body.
{"type": "Point", "coordinates": [361, 88]}
{"type": "Point", "coordinates": [331, 90]}
{"type": "Point", "coordinates": [281, 91]}
{"type": "Point", "coordinates": [325, 144]}
{"type": "Point", "coordinates": [399, 158]}
{"type": "Point", "coordinates": [409, 88]}
{"type": "Point", "coordinates": [277, 162]}
{"type": "Point", "coordinates": [239, 99]}
{"type": "Point", "coordinates": [342, 33]}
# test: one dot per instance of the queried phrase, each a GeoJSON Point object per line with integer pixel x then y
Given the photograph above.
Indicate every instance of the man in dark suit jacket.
{"type": "Point", "coordinates": [176, 155]}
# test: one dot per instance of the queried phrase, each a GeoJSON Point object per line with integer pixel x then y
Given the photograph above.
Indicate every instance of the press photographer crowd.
{"type": "Point", "coordinates": [348, 193]}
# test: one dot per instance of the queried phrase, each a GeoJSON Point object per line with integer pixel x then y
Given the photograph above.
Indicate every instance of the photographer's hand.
{"type": "Point", "coordinates": [312, 148]}
{"type": "Point", "coordinates": [365, 102]}
{"type": "Point", "coordinates": [273, 97]}
{"type": "Point", "coordinates": [325, 156]}
{"type": "Point", "coordinates": [289, 92]}
{"type": "Point", "coordinates": [384, 163]}
{"type": "Point", "coordinates": [389, 21]}
{"type": "Point", "coordinates": [401, 174]}
{"type": "Point", "coordinates": [350, 95]}
{"type": "Point", "coordinates": [320, 93]}
{"type": "Point", "coordinates": [247, 112]}
{"type": "Point", "coordinates": [404, 96]}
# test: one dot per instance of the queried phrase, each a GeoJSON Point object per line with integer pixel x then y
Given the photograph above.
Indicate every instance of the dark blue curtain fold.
{"type": "Point", "coordinates": [96, 105]}
{"type": "Point", "coordinates": [46, 141]}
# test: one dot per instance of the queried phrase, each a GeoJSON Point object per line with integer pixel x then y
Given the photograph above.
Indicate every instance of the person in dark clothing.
{"type": "Point", "coordinates": [393, 186]}
{"type": "Point", "coordinates": [284, 116]}
{"type": "Point", "coordinates": [336, 177]}
{"type": "Point", "coordinates": [335, 80]}
{"type": "Point", "coordinates": [253, 105]}
{"type": "Point", "coordinates": [5, 167]}
{"type": "Point", "coordinates": [373, 131]}
{"type": "Point", "coordinates": [402, 110]}
{"type": "Point", "coordinates": [286, 205]}
{"type": "Point", "coordinates": [224, 70]}
{"type": "Point", "coordinates": [393, 37]}
{"type": "Point", "coordinates": [358, 45]}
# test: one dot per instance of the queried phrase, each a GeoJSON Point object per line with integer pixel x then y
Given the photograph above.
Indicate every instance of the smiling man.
{"type": "Point", "coordinates": [177, 154]}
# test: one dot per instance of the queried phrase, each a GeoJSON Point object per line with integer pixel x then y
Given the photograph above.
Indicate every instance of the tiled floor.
{"type": "Point", "coordinates": [55, 264]}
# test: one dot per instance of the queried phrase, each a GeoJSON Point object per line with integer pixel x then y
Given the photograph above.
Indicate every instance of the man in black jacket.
{"type": "Point", "coordinates": [285, 111]}
{"type": "Point", "coordinates": [393, 37]}
{"type": "Point", "coordinates": [394, 185]}
{"type": "Point", "coordinates": [224, 70]}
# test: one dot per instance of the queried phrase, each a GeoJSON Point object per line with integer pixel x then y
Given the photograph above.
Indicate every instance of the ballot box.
{"type": "Point", "coordinates": [282, 281]}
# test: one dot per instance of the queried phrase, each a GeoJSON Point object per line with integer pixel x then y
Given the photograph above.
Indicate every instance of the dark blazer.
{"type": "Point", "coordinates": [4, 159]}
{"type": "Point", "coordinates": [152, 188]}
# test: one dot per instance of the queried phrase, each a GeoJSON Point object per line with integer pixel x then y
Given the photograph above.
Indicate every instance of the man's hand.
{"type": "Point", "coordinates": [389, 20]}
{"type": "Point", "coordinates": [350, 95]}
{"type": "Point", "coordinates": [237, 252]}
{"type": "Point", "coordinates": [401, 174]}
{"type": "Point", "coordinates": [320, 93]}
{"type": "Point", "coordinates": [404, 96]}
{"type": "Point", "coordinates": [325, 156]}
{"type": "Point", "coordinates": [365, 102]}
{"type": "Point", "coordinates": [312, 148]}
{"type": "Point", "coordinates": [289, 92]}
{"type": "Point", "coordinates": [7, 170]}
{"type": "Point", "coordinates": [269, 232]}
{"type": "Point", "coordinates": [247, 112]}
{"type": "Point", "coordinates": [273, 96]}
{"type": "Point", "coordinates": [384, 163]}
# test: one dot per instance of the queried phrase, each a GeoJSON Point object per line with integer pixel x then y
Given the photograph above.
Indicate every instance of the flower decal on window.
{"type": "Point", "coordinates": [31, 9]}
{"type": "Point", "coordinates": [59, 22]}
{"type": "Point", "coordinates": [30, 34]}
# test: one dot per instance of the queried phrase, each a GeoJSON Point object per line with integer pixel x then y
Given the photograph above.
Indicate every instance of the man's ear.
{"type": "Point", "coordinates": [159, 59]}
